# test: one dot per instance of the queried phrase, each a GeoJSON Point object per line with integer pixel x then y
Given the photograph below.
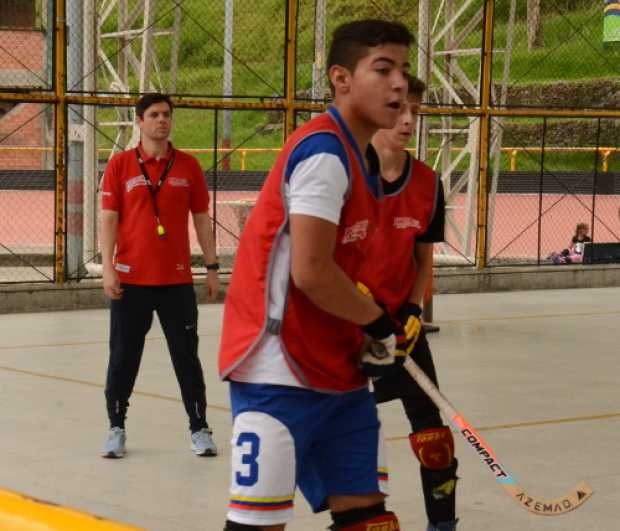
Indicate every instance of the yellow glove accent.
{"type": "Point", "coordinates": [362, 288]}
{"type": "Point", "coordinates": [412, 328]}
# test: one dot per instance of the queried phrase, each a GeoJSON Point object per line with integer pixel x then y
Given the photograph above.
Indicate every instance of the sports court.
{"type": "Point", "coordinates": [537, 373]}
{"type": "Point", "coordinates": [521, 122]}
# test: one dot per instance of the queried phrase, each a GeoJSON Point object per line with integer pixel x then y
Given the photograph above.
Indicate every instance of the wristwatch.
{"type": "Point", "coordinates": [215, 266]}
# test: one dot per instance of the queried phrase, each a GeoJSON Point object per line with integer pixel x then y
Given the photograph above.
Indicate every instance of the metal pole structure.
{"type": "Point", "coordinates": [473, 176]}
{"type": "Point", "coordinates": [215, 179]}
{"type": "Point", "coordinates": [291, 52]}
{"type": "Point", "coordinates": [90, 147]}
{"type": "Point", "coordinates": [146, 58]}
{"type": "Point", "coordinates": [446, 120]}
{"type": "Point", "coordinates": [424, 69]}
{"type": "Point", "coordinates": [485, 119]}
{"type": "Point", "coordinates": [595, 179]}
{"type": "Point", "coordinates": [60, 123]}
{"type": "Point", "coordinates": [123, 70]}
{"type": "Point", "coordinates": [228, 44]}
{"type": "Point", "coordinates": [424, 72]}
{"type": "Point", "coordinates": [174, 51]}
{"type": "Point", "coordinates": [497, 130]}
{"type": "Point", "coordinates": [75, 147]}
{"type": "Point", "coordinates": [49, 16]}
{"type": "Point", "coordinates": [147, 46]}
{"type": "Point", "coordinates": [318, 67]}
{"type": "Point", "coordinates": [541, 184]}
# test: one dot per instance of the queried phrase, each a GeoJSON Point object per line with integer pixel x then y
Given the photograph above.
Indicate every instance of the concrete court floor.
{"type": "Point", "coordinates": [537, 372]}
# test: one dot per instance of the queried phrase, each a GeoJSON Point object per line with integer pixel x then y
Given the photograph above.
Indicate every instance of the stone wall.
{"type": "Point", "coordinates": [596, 94]}
{"type": "Point", "coordinates": [564, 132]}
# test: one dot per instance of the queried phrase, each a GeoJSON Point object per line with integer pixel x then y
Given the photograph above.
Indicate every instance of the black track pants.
{"type": "Point", "coordinates": [130, 320]}
{"type": "Point", "coordinates": [419, 408]}
{"type": "Point", "coordinates": [438, 486]}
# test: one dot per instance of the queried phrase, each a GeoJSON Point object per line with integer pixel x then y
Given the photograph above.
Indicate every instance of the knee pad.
{"type": "Point", "coordinates": [374, 518]}
{"type": "Point", "coordinates": [236, 526]}
{"type": "Point", "coordinates": [434, 447]}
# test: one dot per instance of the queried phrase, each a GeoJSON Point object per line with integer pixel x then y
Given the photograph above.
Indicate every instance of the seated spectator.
{"type": "Point", "coordinates": [574, 252]}
{"type": "Point", "coordinates": [579, 239]}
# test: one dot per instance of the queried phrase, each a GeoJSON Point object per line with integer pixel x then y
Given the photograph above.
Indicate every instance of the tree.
{"type": "Point", "coordinates": [534, 26]}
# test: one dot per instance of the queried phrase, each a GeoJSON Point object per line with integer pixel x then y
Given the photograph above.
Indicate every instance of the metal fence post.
{"type": "Point", "coordinates": [75, 143]}
{"type": "Point", "coordinates": [485, 119]}
{"type": "Point", "coordinates": [291, 51]}
{"type": "Point", "coordinates": [60, 123]}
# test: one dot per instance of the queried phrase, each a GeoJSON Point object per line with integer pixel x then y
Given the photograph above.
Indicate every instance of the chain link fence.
{"type": "Point", "coordinates": [27, 192]}
{"type": "Point", "coordinates": [568, 175]}
{"type": "Point", "coordinates": [26, 44]}
{"type": "Point", "coordinates": [225, 64]}
{"type": "Point", "coordinates": [234, 175]}
{"type": "Point", "coordinates": [231, 48]}
{"type": "Point", "coordinates": [554, 173]}
{"type": "Point", "coordinates": [559, 56]}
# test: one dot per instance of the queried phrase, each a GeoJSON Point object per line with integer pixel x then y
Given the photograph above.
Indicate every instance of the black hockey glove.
{"type": "Point", "coordinates": [386, 349]}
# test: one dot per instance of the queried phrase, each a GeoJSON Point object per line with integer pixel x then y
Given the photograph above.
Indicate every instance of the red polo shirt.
{"type": "Point", "coordinates": [142, 257]}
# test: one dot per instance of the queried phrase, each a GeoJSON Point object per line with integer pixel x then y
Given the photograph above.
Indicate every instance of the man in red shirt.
{"type": "Point", "coordinates": [412, 219]}
{"type": "Point", "coordinates": [147, 194]}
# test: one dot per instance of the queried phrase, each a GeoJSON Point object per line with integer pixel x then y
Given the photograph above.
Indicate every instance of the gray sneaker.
{"type": "Point", "coordinates": [202, 443]}
{"type": "Point", "coordinates": [114, 446]}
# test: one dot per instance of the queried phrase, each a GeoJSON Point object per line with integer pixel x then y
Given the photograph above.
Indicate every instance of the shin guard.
{"type": "Point", "coordinates": [439, 487]}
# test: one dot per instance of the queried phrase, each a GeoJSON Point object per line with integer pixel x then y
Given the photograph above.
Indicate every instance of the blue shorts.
{"type": "Point", "coordinates": [283, 437]}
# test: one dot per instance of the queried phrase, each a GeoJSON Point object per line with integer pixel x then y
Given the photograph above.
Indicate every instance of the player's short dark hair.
{"type": "Point", "coordinates": [151, 99]}
{"type": "Point", "coordinates": [417, 87]}
{"type": "Point", "coordinates": [350, 41]}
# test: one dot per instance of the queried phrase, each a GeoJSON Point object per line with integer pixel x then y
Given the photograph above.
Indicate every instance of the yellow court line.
{"type": "Point", "coordinates": [100, 386]}
{"type": "Point", "coordinates": [158, 396]}
{"type": "Point", "coordinates": [528, 424]}
{"type": "Point", "coordinates": [70, 344]}
{"type": "Point", "coordinates": [81, 343]}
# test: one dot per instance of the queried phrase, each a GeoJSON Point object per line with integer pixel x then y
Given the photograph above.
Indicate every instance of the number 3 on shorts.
{"type": "Point", "coordinates": [250, 443]}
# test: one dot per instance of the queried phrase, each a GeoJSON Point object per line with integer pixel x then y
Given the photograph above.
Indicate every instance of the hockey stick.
{"type": "Point", "coordinates": [554, 507]}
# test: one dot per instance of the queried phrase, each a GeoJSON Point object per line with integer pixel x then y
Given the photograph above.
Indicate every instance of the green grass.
{"type": "Point", "coordinates": [573, 50]}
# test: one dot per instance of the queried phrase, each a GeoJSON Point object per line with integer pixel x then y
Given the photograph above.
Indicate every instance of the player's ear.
{"type": "Point", "coordinates": [340, 78]}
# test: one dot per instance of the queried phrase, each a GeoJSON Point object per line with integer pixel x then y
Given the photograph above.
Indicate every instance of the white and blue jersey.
{"type": "Point", "coordinates": [316, 186]}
